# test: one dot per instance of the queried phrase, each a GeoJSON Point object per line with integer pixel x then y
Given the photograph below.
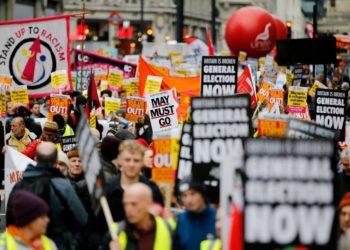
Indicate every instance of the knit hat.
{"type": "Point", "coordinates": [50, 127]}
{"type": "Point", "coordinates": [345, 201]}
{"type": "Point", "coordinates": [27, 207]}
{"type": "Point", "coordinates": [73, 153]}
{"type": "Point", "coordinates": [124, 134]}
{"type": "Point", "coordinates": [113, 131]}
{"type": "Point", "coordinates": [62, 157]}
{"type": "Point", "coordinates": [142, 141]}
{"type": "Point", "coordinates": [195, 186]}
{"type": "Point", "coordinates": [110, 147]}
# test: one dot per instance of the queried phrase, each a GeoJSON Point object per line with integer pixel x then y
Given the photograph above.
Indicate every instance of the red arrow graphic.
{"type": "Point", "coordinates": [29, 69]}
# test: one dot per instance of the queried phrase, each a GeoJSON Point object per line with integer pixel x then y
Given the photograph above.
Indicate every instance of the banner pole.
{"type": "Point", "coordinates": [82, 47]}
{"type": "Point", "coordinates": [108, 216]}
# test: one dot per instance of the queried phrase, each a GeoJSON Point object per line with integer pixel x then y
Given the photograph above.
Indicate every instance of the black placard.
{"type": "Point", "coordinates": [218, 75]}
{"type": "Point", "coordinates": [330, 109]}
{"type": "Point", "coordinates": [219, 125]}
{"type": "Point", "coordinates": [68, 143]}
{"type": "Point", "coordinates": [289, 194]}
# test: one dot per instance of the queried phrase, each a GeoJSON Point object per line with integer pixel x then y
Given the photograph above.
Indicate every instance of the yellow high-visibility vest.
{"type": "Point", "coordinates": [10, 242]}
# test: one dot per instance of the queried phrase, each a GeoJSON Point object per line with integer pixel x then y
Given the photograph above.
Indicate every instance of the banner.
{"type": "Point", "coordinates": [289, 194]}
{"type": "Point", "coordinates": [95, 61]}
{"type": "Point", "coordinates": [299, 129]}
{"type": "Point", "coordinates": [163, 163]}
{"type": "Point", "coordinates": [59, 81]}
{"type": "Point", "coordinates": [19, 94]}
{"type": "Point", "coordinates": [135, 107]}
{"type": "Point", "coordinates": [5, 81]}
{"type": "Point", "coordinates": [15, 164]}
{"type": "Point", "coordinates": [111, 105]}
{"type": "Point", "coordinates": [219, 124]}
{"type": "Point", "coordinates": [162, 107]}
{"type": "Point", "coordinates": [59, 104]}
{"type": "Point", "coordinates": [90, 160]}
{"type": "Point", "coordinates": [297, 99]}
{"type": "Point", "coordinates": [218, 75]}
{"type": "Point", "coordinates": [330, 108]}
{"type": "Point", "coordinates": [31, 49]}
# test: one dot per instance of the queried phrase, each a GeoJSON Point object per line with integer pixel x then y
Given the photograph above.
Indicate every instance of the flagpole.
{"type": "Point", "coordinates": [82, 47]}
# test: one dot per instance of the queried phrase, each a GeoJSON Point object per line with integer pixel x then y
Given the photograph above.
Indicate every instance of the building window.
{"type": "Point", "coordinates": [24, 9]}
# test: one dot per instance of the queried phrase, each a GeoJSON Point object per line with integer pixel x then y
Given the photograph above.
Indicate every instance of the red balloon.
{"type": "Point", "coordinates": [281, 29]}
{"type": "Point", "coordinates": [252, 30]}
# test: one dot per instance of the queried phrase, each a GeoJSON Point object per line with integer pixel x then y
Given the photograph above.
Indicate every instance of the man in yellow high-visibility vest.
{"type": "Point", "coordinates": [142, 230]}
{"type": "Point", "coordinates": [31, 221]}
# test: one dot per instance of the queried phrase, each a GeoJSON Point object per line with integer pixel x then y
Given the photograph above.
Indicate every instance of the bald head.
{"type": "Point", "coordinates": [137, 202]}
{"type": "Point", "coordinates": [18, 120]}
{"type": "Point", "coordinates": [46, 153]}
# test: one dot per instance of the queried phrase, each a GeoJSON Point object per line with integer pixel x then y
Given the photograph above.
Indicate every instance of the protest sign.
{"type": "Point", "coordinates": [15, 164]}
{"type": "Point", "coordinates": [309, 130]}
{"type": "Point", "coordinates": [68, 143]}
{"type": "Point", "coordinates": [59, 81]}
{"type": "Point", "coordinates": [281, 79]}
{"type": "Point", "coordinates": [100, 75]}
{"type": "Point", "coordinates": [184, 166]}
{"type": "Point", "coordinates": [297, 99]}
{"type": "Point", "coordinates": [153, 84]}
{"type": "Point", "coordinates": [115, 79]}
{"type": "Point", "coordinates": [19, 94]}
{"type": "Point", "coordinates": [289, 78]}
{"type": "Point", "coordinates": [272, 126]}
{"type": "Point", "coordinates": [289, 194]}
{"type": "Point", "coordinates": [162, 107]}
{"type": "Point", "coordinates": [162, 171]}
{"type": "Point", "coordinates": [5, 81]}
{"type": "Point", "coordinates": [276, 96]}
{"type": "Point", "coordinates": [297, 74]}
{"type": "Point", "coordinates": [135, 107]}
{"type": "Point", "coordinates": [111, 105]}
{"type": "Point", "coordinates": [242, 56]}
{"type": "Point", "coordinates": [93, 61]}
{"type": "Point", "coordinates": [218, 75]}
{"type": "Point", "coordinates": [317, 85]}
{"type": "Point", "coordinates": [131, 86]}
{"type": "Point", "coordinates": [219, 124]}
{"type": "Point", "coordinates": [82, 80]}
{"type": "Point", "coordinates": [2, 101]}
{"type": "Point", "coordinates": [34, 48]}
{"type": "Point", "coordinates": [263, 92]}
{"type": "Point", "coordinates": [59, 104]}
{"type": "Point", "coordinates": [90, 160]}
{"type": "Point", "coordinates": [330, 108]}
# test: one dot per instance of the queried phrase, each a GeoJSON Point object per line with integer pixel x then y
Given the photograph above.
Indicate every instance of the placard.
{"type": "Point", "coordinates": [299, 129]}
{"type": "Point", "coordinates": [219, 124]}
{"type": "Point", "coordinates": [330, 108]}
{"type": "Point", "coordinates": [115, 79]}
{"type": "Point", "coordinates": [263, 92]}
{"type": "Point", "coordinates": [289, 194]}
{"type": "Point", "coordinates": [59, 81]}
{"type": "Point", "coordinates": [59, 104]}
{"type": "Point", "coordinates": [68, 143]}
{"type": "Point", "coordinates": [218, 76]}
{"type": "Point", "coordinates": [162, 108]}
{"type": "Point", "coordinates": [153, 84]}
{"type": "Point", "coordinates": [297, 99]}
{"type": "Point", "coordinates": [135, 107]}
{"type": "Point", "coordinates": [162, 171]}
{"type": "Point", "coordinates": [272, 127]}
{"type": "Point", "coordinates": [111, 105]}
{"type": "Point", "coordinates": [5, 81]}
{"type": "Point", "coordinates": [19, 94]}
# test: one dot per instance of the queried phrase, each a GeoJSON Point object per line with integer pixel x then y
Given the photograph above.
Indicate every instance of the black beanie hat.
{"type": "Point", "coordinates": [110, 147]}
{"type": "Point", "coordinates": [27, 207]}
{"type": "Point", "coordinates": [195, 186]}
{"type": "Point", "coordinates": [124, 134]}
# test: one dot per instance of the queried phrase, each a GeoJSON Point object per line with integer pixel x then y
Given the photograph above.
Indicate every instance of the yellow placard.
{"type": "Point", "coordinates": [174, 54]}
{"type": "Point", "coordinates": [131, 86]}
{"type": "Point", "coordinates": [316, 85]}
{"type": "Point", "coordinates": [111, 105]}
{"type": "Point", "coordinates": [2, 101]}
{"type": "Point", "coordinates": [103, 85]}
{"type": "Point", "coordinates": [183, 72]}
{"type": "Point", "coordinates": [162, 70]}
{"type": "Point", "coordinates": [153, 84]}
{"type": "Point", "coordinates": [290, 77]}
{"type": "Point", "coordinates": [59, 80]}
{"type": "Point", "coordinates": [92, 121]}
{"type": "Point", "coordinates": [19, 94]}
{"type": "Point", "coordinates": [263, 92]}
{"type": "Point", "coordinates": [115, 79]}
{"type": "Point", "coordinates": [242, 56]}
{"type": "Point", "coordinates": [297, 100]}
{"type": "Point", "coordinates": [272, 128]}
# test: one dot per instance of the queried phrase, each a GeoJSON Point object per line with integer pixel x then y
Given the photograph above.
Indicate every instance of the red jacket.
{"type": "Point", "coordinates": [31, 149]}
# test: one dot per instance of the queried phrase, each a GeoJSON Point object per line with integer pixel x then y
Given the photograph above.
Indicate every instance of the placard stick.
{"type": "Point", "coordinates": [108, 216]}
{"type": "Point", "coordinates": [82, 46]}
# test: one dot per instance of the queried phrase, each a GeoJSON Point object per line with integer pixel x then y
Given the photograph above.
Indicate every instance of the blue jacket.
{"type": "Point", "coordinates": [192, 228]}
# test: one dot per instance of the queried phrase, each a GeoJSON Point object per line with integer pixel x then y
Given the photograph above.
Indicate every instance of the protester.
{"type": "Point", "coordinates": [148, 163]}
{"type": "Point", "coordinates": [197, 222]}
{"type": "Point", "coordinates": [35, 110]}
{"type": "Point", "coordinates": [31, 125]}
{"type": "Point", "coordinates": [130, 161]}
{"type": "Point", "coordinates": [75, 113]}
{"type": "Point", "coordinates": [344, 213]}
{"type": "Point", "coordinates": [109, 152]}
{"type": "Point", "coordinates": [30, 224]}
{"type": "Point", "coordinates": [214, 244]}
{"type": "Point", "coordinates": [44, 108]}
{"type": "Point", "coordinates": [19, 137]}
{"type": "Point", "coordinates": [343, 177]}
{"type": "Point", "coordinates": [141, 229]}
{"type": "Point", "coordinates": [50, 133]}
{"type": "Point", "coordinates": [63, 128]}
{"type": "Point", "coordinates": [62, 162]}
{"type": "Point", "coordinates": [67, 214]}
{"type": "Point", "coordinates": [143, 129]}
{"type": "Point", "coordinates": [75, 171]}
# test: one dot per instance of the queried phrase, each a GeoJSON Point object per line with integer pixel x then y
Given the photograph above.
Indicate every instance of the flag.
{"type": "Point", "coordinates": [34, 48]}
{"type": "Point", "coordinates": [211, 50]}
{"type": "Point", "coordinates": [236, 232]}
{"type": "Point", "coordinates": [246, 84]}
{"type": "Point", "coordinates": [92, 101]}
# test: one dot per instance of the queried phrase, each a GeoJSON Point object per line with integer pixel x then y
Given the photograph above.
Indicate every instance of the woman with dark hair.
{"type": "Point", "coordinates": [143, 129]}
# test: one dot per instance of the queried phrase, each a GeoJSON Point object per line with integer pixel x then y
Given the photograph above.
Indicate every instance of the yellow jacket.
{"type": "Point", "coordinates": [20, 146]}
